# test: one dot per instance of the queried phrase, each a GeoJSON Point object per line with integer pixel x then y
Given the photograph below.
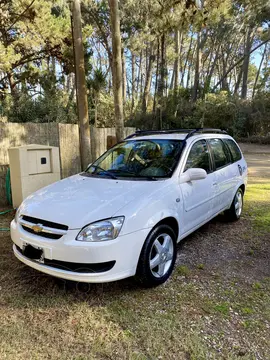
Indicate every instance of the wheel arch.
{"type": "Point", "coordinates": [170, 221]}
{"type": "Point", "coordinates": [243, 188]}
{"type": "Point", "coordinates": [142, 270]}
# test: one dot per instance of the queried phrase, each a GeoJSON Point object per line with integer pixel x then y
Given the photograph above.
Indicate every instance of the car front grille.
{"type": "Point", "coordinates": [43, 228]}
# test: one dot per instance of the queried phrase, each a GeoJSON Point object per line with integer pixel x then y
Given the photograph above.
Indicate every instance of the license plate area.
{"type": "Point", "coordinates": [33, 253]}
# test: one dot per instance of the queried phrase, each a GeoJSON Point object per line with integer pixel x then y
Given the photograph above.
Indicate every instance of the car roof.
{"type": "Point", "coordinates": [160, 137]}
{"type": "Point", "coordinates": [179, 136]}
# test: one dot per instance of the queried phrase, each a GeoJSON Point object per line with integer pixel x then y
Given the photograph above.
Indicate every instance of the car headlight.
{"type": "Point", "coordinates": [17, 215]}
{"type": "Point", "coordinates": [101, 230]}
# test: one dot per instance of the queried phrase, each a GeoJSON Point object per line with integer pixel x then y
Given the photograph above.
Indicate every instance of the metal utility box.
{"type": "Point", "coordinates": [31, 168]}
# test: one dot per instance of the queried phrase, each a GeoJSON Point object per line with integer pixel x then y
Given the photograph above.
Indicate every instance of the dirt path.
{"type": "Point", "coordinates": [255, 148]}
{"type": "Point", "coordinates": [258, 165]}
{"type": "Point", "coordinates": [258, 159]}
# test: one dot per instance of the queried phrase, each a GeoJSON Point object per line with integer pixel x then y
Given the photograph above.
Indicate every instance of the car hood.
{"type": "Point", "coordinates": [79, 200]}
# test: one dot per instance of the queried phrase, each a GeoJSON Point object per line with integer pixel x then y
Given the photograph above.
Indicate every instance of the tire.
{"type": "Point", "coordinates": [160, 249]}
{"type": "Point", "coordinates": [235, 211]}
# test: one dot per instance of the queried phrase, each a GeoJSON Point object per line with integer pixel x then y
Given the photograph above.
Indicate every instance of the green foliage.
{"type": "Point", "coordinates": [241, 118]}
{"type": "Point", "coordinates": [41, 109]}
{"type": "Point", "coordinates": [30, 33]}
{"type": "Point", "coordinates": [105, 116]}
{"type": "Point", "coordinates": [36, 60]}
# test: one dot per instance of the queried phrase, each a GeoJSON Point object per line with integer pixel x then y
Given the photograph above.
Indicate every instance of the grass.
{"type": "Point", "coordinates": [212, 314]}
{"type": "Point", "coordinates": [183, 270]}
{"type": "Point", "coordinates": [258, 199]}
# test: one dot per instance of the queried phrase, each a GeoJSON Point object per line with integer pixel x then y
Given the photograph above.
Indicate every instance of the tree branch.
{"type": "Point", "coordinates": [238, 62]}
{"type": "Point", "coordinates": [18, 17]}
{"type": "Point", "coordinates": [95, 18]}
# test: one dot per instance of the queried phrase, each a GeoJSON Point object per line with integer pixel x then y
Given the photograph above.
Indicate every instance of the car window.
{"type": "Point", "coordinates": [139, 159]}
{"type": "Point", "coordinates": [220, 153]}
{"type": "Point", "coordinates": [199, 157]}
{"type": "Point", "coordinates": [234, 149]}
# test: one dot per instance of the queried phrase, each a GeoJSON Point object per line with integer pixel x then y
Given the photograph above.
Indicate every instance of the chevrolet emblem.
{"type": "Point", "coordinates": [37, 228]}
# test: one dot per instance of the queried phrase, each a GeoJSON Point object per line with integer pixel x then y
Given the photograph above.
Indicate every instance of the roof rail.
{"type": "Point", "coordinates": [205, 130]}
{"type": "Point", "coordinates": [190, 132]}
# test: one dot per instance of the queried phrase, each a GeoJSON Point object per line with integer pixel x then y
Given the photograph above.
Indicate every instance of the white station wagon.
{"type": "Point", "coordinates": [124, 215]}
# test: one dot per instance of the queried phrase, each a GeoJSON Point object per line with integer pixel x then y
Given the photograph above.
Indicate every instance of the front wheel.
{"type": "Point", "coordinates": [236, 208]}
{"type": "Point", "coordinates": [157, 257]}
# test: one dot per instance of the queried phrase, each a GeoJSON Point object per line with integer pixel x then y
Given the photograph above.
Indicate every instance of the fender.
{"type": "Point", "coordinates": [166, 201]}
{"type": "Point", "coordinates": [239, 184]}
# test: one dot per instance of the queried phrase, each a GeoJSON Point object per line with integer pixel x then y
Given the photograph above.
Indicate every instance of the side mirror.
{"type": "Point", "coordinates": [193, 174]}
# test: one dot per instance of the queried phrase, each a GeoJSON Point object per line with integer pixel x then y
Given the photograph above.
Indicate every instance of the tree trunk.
{"type": "Point", "coordinates": [188, 76]}
{"type": "Point", "coordinates": [161, 82]}
{"type": "Point", "coordinates": [210, 73]}
{"type": "Point", "coordinates": [139, 74]}
{"type": "Point", "coordinates": [172, 80]}
{"type": "Point", "coordinates": [71, 94]}
{"type": "Point", "coordinates": [117, 69]}
{"type": "Point", "coordinates": [124, 74]}
{"type": "Point", "coordinates": [190, 67]}
{"type": "Point", "coordinates": [224, 82]}
{"type": "Point", "coordinates": [180, 61]}
{"type": "Point", "coordinates": [143, 69]}
{"type": "Point", "coordinates": [12, 85]}
{"type": "Point", "coordinates": [156, 80]}
{"type": "Point", "coordinates": [110, 83]}
{"type": "Point", "coordinates": [248, 44]}
{"type": "Point", "coordinates": [133, 79]}
{"type": "Point", "coordinates": [148, 80]}
{"type": "Point", "coordinates": [186, 61]}
{"type": "Point", "coordinates": [128, 86]}
{"type": "Point", "coordinates": [82, 103]}
{"type": "Point", "coordinates": [259, 71]}
{"type": "Point", "coordinates": [176, 62]}
{"type": "Point", "coordinates": [96, 100]}
{"type": "Point", "coordinates": [197, 68]}
{"type": "Point", "coordinates": [236, 88]}
{"type": "Point", "coordinates": [219, 74]}
{"type": "Point", "coordinates": [68, 83]}
{"type": "Point", "coordinates": [53, 65]}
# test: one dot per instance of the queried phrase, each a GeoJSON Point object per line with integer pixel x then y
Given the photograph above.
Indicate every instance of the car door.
{"type": "Point", "coordinates": [224, 174]}
{"type": "Point", "coordinates": [239, 166]}
{"type": "Point", "coordinates": [197, 195]}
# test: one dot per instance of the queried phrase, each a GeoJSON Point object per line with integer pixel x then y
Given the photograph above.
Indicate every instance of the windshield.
{"type": "Point", "coordinates": [138, 159]}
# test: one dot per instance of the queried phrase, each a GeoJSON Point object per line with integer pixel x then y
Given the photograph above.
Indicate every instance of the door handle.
{"type": "Point", "coordinates": [215, 184]}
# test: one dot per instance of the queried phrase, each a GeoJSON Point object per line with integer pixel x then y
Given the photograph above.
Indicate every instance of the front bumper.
{"type": "Point", "coordinates": [125, 251]}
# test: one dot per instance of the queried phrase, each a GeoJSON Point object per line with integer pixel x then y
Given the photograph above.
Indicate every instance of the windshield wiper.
{"type": "Point", "coordinates": [103, 170]}
{"type": "Point", "coordinates": [137, 176]}
{"type": "Point", "coordinates": [150, 178]}
{"type": "Point", "coordinates": [124, 171]}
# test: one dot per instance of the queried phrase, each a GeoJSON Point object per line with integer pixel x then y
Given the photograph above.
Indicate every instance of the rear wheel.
{"type": "Point", "coordinates": [157, 257]}
{"type": "Point", "coordinates": [235, 211]}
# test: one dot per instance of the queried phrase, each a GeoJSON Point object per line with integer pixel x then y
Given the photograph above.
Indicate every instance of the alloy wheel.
{"type": "Point", "coordinates": [161, 255]}
{"type": "Point", "coordinates": [238, 205]}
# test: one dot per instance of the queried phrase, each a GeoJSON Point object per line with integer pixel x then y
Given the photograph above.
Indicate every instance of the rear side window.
{"type": "Point", "coordinates": [199, 156]}
{"type": "Point", "coordinates": [220, 153]}
{"type": "Point", "coordinates": [234, 149]}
